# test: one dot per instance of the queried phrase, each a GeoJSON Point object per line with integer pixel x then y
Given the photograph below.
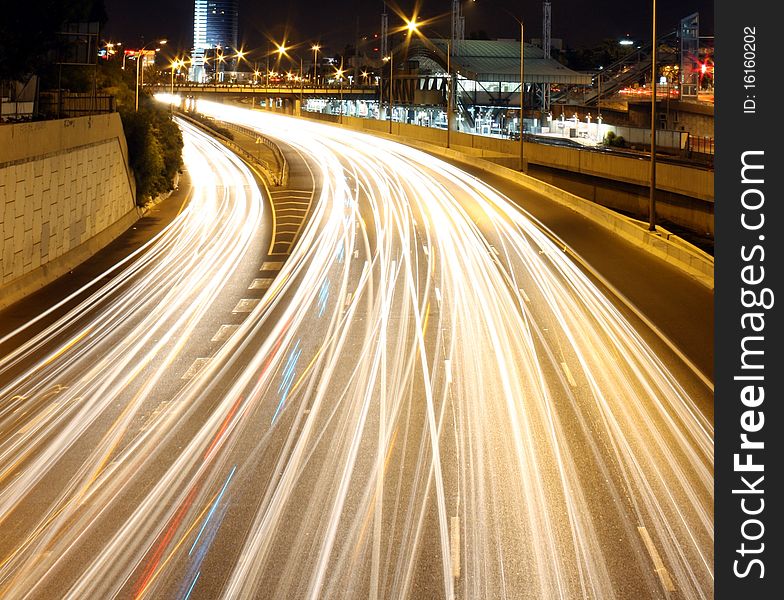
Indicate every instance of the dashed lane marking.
{"type": "Point", "coordinates": [245, 305]}
{"type": "Point", "coordinates": [271, 266]}
{"type": "Point", "coordinates": [658, 564]}
{"type": "Point", "coordinates": [568, 373]}
{"type": "Point", "coordinates": [194, 369]}
{"type": "Point", "coordinates": [223, 333]}
{"type": "Point", "coordinates": [454, 546]}
{"type": "Point", "coordinates": [261, 283]}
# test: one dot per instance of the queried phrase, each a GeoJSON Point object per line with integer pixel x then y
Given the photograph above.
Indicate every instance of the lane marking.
{"type": "Point", "coordinates": [261, 283]}
{"type": "Point", "coordinates": [154, 414]}
{"type": "Point", "coordinates": [448, 370]}
{"type": "Point", "coordinates": [454, 546]}
{"type": "Point", "coordinates": [568, 372]}
{"type": "Point", "coordinates": [622, 298]}
{"type": "Point", "coordinates": [349, 296]}
{"type": "Point", "coordinates": [525, 296]}
{"type": "Point", "coordinates": [270, 265]}
{"type": "Point", "coordinates": [194, 369]}
{"type": "Point", "coordinates": [245, 305]}
{"type": "Point", "coordinates": [438, 296]}
{"type": "Point", "coordinates": [308, 192]}
{"type": "Point", "coordinates": [224, 332]}
{"type": "Point", "coordinates": [658, 564]}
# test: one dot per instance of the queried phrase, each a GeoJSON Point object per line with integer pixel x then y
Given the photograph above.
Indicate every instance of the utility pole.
{"type": "Point", "coordinates": [546, 47]}
{"type": "Point", "coordinates": [450, 94]}
{"type": "Point", "coordinates": [391, 84]}
{"type": "Point", "coordinates": [458, 26]}
{"type": "Point", "coordinates": [522, 93]}
{"type": "Point", "coordinates": [652, 198]}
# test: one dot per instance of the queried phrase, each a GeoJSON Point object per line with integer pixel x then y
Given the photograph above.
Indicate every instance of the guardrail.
{"type": "Point", "coordinates": [701, 144]}
{"type": "Point", "coordinates": [277, 177]}
{"type": "Point", "coordinates": [281, 164]}
{"type": "Point", "coordinates": [288, 89]}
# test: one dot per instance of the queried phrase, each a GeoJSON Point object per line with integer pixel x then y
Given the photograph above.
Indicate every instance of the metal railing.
{"type": "Point", "coordinates": [281, 165]}
{"type": "Point", "coordinates": [277, 176]}
{"type": "Point", "coordinates": [63, 104]}
{"type": "Point", "coordinates": [700, 144]}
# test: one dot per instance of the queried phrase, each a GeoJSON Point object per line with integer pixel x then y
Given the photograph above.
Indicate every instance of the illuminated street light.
{"type": "Point", "coordinates": [339, 74]}
{"type": "Point", "coordinates": [139, 59]}
{"type": "Point", "coordinates": [315, 48]}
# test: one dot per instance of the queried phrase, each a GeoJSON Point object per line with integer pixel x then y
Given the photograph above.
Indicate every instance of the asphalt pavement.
{"type": "Point", "coordinates": [427, 399]}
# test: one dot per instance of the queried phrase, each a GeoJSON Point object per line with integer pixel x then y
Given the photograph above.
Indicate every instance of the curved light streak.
{"type": "Point", "coordinates": [431, 401]}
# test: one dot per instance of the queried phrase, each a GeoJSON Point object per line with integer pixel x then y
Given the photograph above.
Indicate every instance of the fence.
{"type": "Point", "coordinates": [281, 166]}
{"type": "Point", "coordinates": [67, 105]}
{"type": "Point", "coordinates": [277, 176]}
{"type": "Point", "coordinates": [700, 144]}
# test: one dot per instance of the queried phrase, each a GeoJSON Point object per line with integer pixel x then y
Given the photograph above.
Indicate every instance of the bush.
{"type": "Point", "coordinates": [616, 141]}
{"type": "Point", "coordinates": [154, 149]}
{"type": "Point", "coordinates": [207, 122]}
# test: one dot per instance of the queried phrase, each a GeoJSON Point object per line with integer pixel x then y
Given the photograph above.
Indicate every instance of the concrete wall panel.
{"type": "Point", "coordinates": [65, 191]}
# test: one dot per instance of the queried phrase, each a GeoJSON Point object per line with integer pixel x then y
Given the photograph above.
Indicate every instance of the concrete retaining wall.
{"type": "Point", "coordinates": [66, 191]}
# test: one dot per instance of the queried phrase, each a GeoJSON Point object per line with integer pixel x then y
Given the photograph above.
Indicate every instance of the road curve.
{"type": "Point", "coordinates": [432, 401]}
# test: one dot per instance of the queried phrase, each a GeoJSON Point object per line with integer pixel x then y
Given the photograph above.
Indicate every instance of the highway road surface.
{"type": "Point", "coordinates": [430, 400]}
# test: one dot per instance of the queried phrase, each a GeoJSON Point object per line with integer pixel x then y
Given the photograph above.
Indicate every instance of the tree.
{"type": "Point", "coordinates": [154, 149]}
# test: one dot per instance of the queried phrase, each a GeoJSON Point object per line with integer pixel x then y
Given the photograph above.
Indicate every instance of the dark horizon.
{"type": "Point", "coordinates": [337, 23]}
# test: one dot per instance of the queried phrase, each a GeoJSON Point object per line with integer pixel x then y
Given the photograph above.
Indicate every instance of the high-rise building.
{"type": "Point", "coordinates": [214, 36]}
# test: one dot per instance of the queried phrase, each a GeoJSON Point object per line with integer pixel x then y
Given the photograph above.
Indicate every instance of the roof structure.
{"type": "Point", "coordinates": [495, 60]}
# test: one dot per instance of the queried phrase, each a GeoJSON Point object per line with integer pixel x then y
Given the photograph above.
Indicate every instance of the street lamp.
{"type": "Point", "coordinates": [652, 197]}
{"type": "Point", "coordinates": [339, 74]}
{"type": "Point", "coordinates": [391, 83]}
{"type": "Point", "coordinates": [301, 86]}
{"type": "Point", "coordinates": [413, 27]}
{"type": "Point", "coordinates": [522, 93]}
{"type": "Point", "coordinates": [176, 64]}
{"type": "Point", "coordinates": [219, 74]}
{"type": "Point", "coordinates": [522, 81]}
{"type": "Point", "coordinates": [139, 58]}
{"type": "Point", "coordinates": [315, 48]}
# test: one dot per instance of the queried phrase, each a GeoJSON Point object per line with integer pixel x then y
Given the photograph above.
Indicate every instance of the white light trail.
{"type": "Point", "coordinates": [426, 360]}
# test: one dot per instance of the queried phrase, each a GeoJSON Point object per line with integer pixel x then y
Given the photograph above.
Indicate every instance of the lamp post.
{"type": "Point", "coordinates": [522, 84]}
{"type": "Point", "coordinates": [391, 84]}
{"type": "Point", "coordinates": [301, 86]}
{"type": "Point", "coordinates": [139, 59]}
{"type": "Point", "coordinates": [413, 27]}
{"type": "Point", "coordinates": [599, 96]}
{"type": "Point", "coordinates": [522, 95]}
{"type": "Point", "coordinates": [315, 48]}
{"type": "Point", "coordinates": [176, 64]}
{"type": "Point", "coordinates": [450, 94]}
{"type": "Point", "coordinates": [340, 80]}
{"type": "Point", "coordinates": [219, 74]}
{"type": "Point", "coordinates": [652, 197]}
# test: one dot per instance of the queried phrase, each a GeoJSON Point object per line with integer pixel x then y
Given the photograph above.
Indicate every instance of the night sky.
{"type": "Point", "coordinates": [577, 22]}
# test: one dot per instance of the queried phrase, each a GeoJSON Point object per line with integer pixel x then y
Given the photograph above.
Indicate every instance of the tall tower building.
{"type": "Point", "coordinates": [215, 24]}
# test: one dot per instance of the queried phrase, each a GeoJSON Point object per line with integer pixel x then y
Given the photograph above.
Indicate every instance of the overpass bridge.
{"type": "Point", "coordinates": [246, 90]}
